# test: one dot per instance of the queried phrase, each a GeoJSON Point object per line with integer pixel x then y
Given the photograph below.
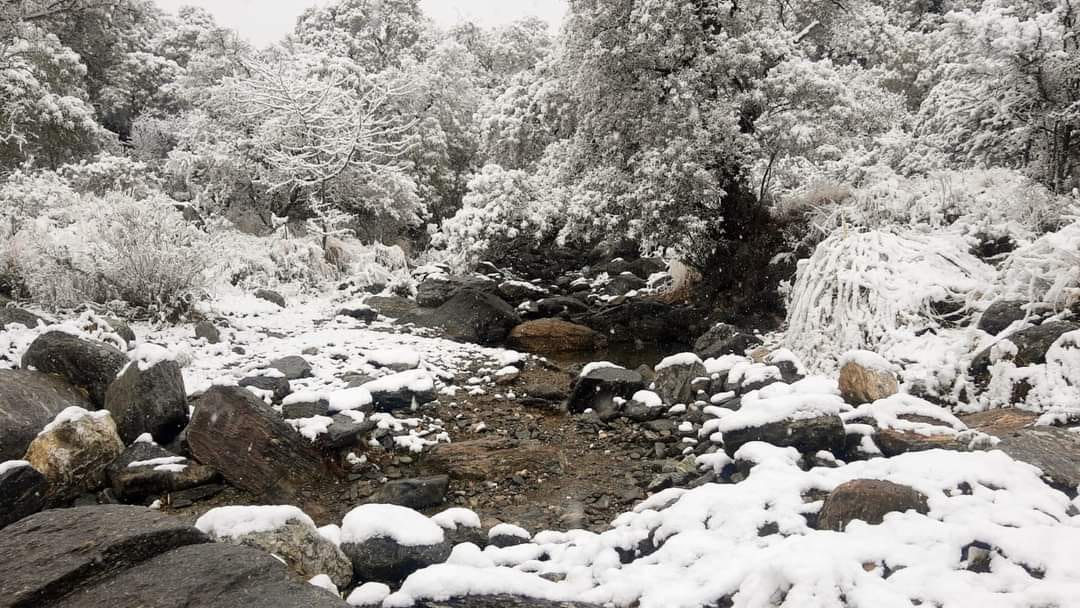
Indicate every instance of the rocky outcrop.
{"type": "Point", "coordinates": [73, 451]}
{"type": "Point", "coordinates": [251, 446]}
{"type": "Point", "coordinates": [151, 400]}
{"type": "Point", "coordinates": [88, 365]}
{"type": "Point", "coordinates": [868, 500]}
{"type": "Point", "coordinates": [555, 336]}
{"type": "Point", "coordinates": [28, 401]}
{"type": "Point", "coordinates": [1031, 346]}
{"type": "Point", "coordinates": [470, 316]}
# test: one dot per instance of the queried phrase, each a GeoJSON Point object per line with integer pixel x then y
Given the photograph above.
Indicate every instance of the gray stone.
{"type": "Point", "coordinates": [270, 296]}
{"type": "Point", "coordinates": [9, 314]}
{"type": "Point", "coordinates": [1055, 450]}
{"type": "Point", "coordinates": [91, 366]}
{"type": "Point", "coordinates": [360, 313]}
{"type": "Point", "coordinates": [294, 367]}
{"type": "Point", "coordinates": [868, 500]}
{"type": "Point", "coordinates": [207, 331]}
{"type": "Point", "coordinates": [384, 560]}
{"type": "Point", "coordinates": [723, 339]}
{"type": "Point", "coordinates": [391, 306]}
{"type": "Point", "coordinates": [1031, 343]}
{"type": "Point", "coordinates": [305, 410]}
{"type": "Point", "coordinates": [1001, 314]}
{"type": "Point", "coordinates": [149, 401]}
{"type": "Point", "coordinates": [210, 575]}
{"type": "Point", "coordinates": [74, 454]}
{"type": "Point", "coordinates": [418, 493]}
{"type": "Point", "coordinates": [50, 554]}
{"type": "Point", "coordinates": [22, 492]}
{"type": "Point", "coordinates": [277, 385]}
{"type": "Point", "coordinates": [470, 316]}
{"type": "Point", "coordinates": [135, 484]}
{"type": "Point", "coordinates": [305, 551]}
{"type": "Point", "coordinates": [808, 435]}
{"type": "Point", "coordinates": [674, 382]}
{"type": "Point", "coordinates": [28, 401]}
{"type": "Point", "coordinates": [601, 386]}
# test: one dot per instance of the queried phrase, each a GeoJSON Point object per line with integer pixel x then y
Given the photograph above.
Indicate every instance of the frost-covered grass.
{"type": "Point", "coordinates": [859, 290]}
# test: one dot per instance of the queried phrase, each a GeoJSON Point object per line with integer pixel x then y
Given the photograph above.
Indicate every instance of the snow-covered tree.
{"type": "Point", "coordinates": [376, 34]}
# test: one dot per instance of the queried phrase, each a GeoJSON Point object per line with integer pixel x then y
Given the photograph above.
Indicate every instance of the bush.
{"type": "Point", "coordinates": [104, 249]}
{"type": "Point", "coordinates": [1046, 271]}
{"type": "Point", "coordinates": [859, 290]}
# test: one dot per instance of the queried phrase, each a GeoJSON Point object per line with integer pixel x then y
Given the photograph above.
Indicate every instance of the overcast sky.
{"type": "Point", "coordinates": [266, 21]}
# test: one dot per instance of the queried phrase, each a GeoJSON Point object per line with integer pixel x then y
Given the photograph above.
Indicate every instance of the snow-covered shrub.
{"type": "Point", "coordinates": [859, 289]}
{"type": "Point", "coordinates": [1047, 270]}
{"type": "Point", "coordinates": [251, 262]}
{"type": "Point", "coordinates": [497, 210]}
{"type": "Point", "coordinates": [24, 196]}
{"type": "Point", "coordinates": [101, 249]}
{"type": "Point", "coordinates": [108, 173]}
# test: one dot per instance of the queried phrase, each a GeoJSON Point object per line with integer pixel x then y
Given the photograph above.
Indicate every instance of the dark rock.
{"type": "Point", "coordinates": [135, 484]}
{"type": "Point", "coordinates": [270, 296]}
{"type": "Point", "coordinates": [601, 386]}
{"type": "Point", "coordinates": [1001, 314]}
{"type": "Point", "coordinates": [91, 366]}
{"type": "Point", "coordinates": [558, 305]}
{"type": "Point", "coordinates": [299, 544]}
{"type": "Point", "coordinates": [391, 306]}
{"type": "Point", "coordinates": [29, 401]}
{"type": "Point", "coordinates": [506, 540]}
{"type": "Point", "coordinates": [278, 385]}
{"type": "Point", "coordinates": [149, 401]}
{"type": "Point", "coordinates": [306, 409]}
{"type": "Point", "coordinates": [868, 500]}
{"type": "Point", "coordinates": [207, 575]}
{"type": "Point", "coordinates": [434, 291]}
{"type": "Point", "coordinates": [471, 316]}
{"type": "Point", "coordinates": [207, 331]}
{"type": "Point", "coordinates": [234, 432]}
{"type": "Point", "coordinates": [516, 292]}
{"type": "Point", "coordinates": [294, 367]}
{"type": "Point", "coordinates": [808, 435]}
{"type": "Point", "coordinates": [639, 320]}
{"type": "Point", "coordinates": [491, 459]}
{"type": "Point", "coordinates": [123, 330]}
{"type": "Point", "coordinates": [50, 554]}
{"type": "Point", "coordinates": [344, 432]}
{"type": "Point", "coordinates": [1031, 343]}
{"type": "Point", "coordinates": [555, 336]}
{"type": "Point", "coordinates": [623, 283]}
{"type": "Point", "coordinates": [366, 314]}
{"type": "Point", "coordinates": [674, 381]}
{"type": "Point", "coordinates": [1055, 450]}
{"type": "Point", "coordinates": [9, 314]}
{"type": "Point", "coordinates": [724, 339]}
{"type": "Point", "coordinates": [385, 560]}
{"type": "Point", "coordinates": [401, 390]}
{"type": "Point", "coordinates": [418, 493]}
{"type": "Point", "coordinates": [22, 492]}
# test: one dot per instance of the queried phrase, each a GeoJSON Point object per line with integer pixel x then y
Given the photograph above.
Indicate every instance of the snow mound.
{"type": "Point", "coordinates": [416, 381]}
{"type": "Point", "coordinates": [758, 410]}
{"type": "Point", "coordinates": [148, 355]}
{"type": "Point", "coordinates": [681, 359]}
{"type": "Point", "coordinates": [349, 399]}
{"type": "Point", "coordinates": [867, 359]}
{"type": "Point", "coordinates": [711, 547]}
{"type": "Point", "coordinates": [237, 521]}
{"type": "Point", "coordinates": [396, 358]}
{"type": "Point", "coordinates": [401, 524]}
{"type": "Point", "coordinates": [368, 594]}
{"type": "Point", "coordinates": [11, 465]}
{"type": "Point", "coordinates": [457, 517]}
{"type": "Point", "coordinates": [72, 414]}
{"type": "Point", "coordinates": [648, 399]}
{"type": "Point", "coordinates": [509, 530]}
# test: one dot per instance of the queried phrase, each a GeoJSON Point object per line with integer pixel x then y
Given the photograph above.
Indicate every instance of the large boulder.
{"type": "Point", "coordinates": [597, 388]}
{"type": "Point", "coordinates": [205, 330]}
{"type": "Point", "coordinates": [516, 292]}
{"type": "Point", "coordinates": [211, 575]}
{"type": "Point", "coordinates": [470, 316]}
{"type": "Point", "coordinates": [555, 336]}
{"type": "Point", "coordinates": [292, 367]}
{"type": "Point", "coordinates": [146, 470]}
{"type": "Point", "coordinates": [674, 376]}
{"type": "Point", "coordinates": [22, 491]}
{"type": "Point", "coordinates": [868, 500]}
{"type": "Point", "coordinates": [866, 377]}
{"type": "Point", "coordinates": [9, 314]}
{"type": "Point", "coordinates": [28, 401]}
{"type": "Point", "coordinates": [284, 531]}
{"type": "Point", "coordinates": [73, 452]}
{"type": "Point", "coordinates": [88, 365]}
{"type": "Point", "coordinates": [251, 446]}
{"type": "Point", "coordinates": [50, 554]}
{"type": "Point", "coordinates": [387, 543]}
{"type": "Point", "coordinates": [640, 320]}
{"type": "Point", "coordinates": [1001, 314]}
{"type": "Point", "coordinates": [1031, 346]}
{"type": "Point", "coordinates": [391, 306]}
{"type": "Point", "coordinates": [149, 398]}
{"type": "Point", "coordinates": [270, 296]}
{"type": "Point", "coordinates": [723, 339]}
{"type": "Point", "coordinates": [1055, 450]}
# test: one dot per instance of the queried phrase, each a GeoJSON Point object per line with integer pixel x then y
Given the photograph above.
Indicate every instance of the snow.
{"type": "Point", "coordinates": [757, 411]}
{"type": "Point", "coordinates": [507, 373]}
{"type": "Point", "coordinates": [323, 581]}
{"type": "Point", "coordinates": [416, 381]}
{"type": "Point", "coordinates": [720, 365]}
{"type": "Point", "coordinates": [332, 533]}
{"type": "Point", "coordinates": [595, 365]}
{"type": "Point", "coordinates": [680, 360]}
{"type": "Point", "coordinates": [349, 399]}
{"type": "Point", "coordinates": [148, 355]}
{"type": "Point", "coordinates": [11, 465]}
{"type": "Point", "coordinates": [145, 438]}
{"type": "Point", "coordinates": [368, 594]}
{"type": "Point", "coordinates": [237, 521]}
{"type": "Point", "coordinates": [509, 530]}
{"type": "Point", "coordinates": [70, 415]}
{"type": "Point", "coordinates": [403, 525]}
{"type": "Point", "coordinates": [311, 427]}
{"type": "Point", "coordinates": [396, 358]}
{"type": "Point", "coordinates": [647, 398]}
{"type": "Point", "coordinates": [171, 464]}
{"type": "Point", "coordinates": [305, 397]}
{"type": "Point", "coordinates": [457, 517]}
{"type": "Point", "coordinates": [867, 359]}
